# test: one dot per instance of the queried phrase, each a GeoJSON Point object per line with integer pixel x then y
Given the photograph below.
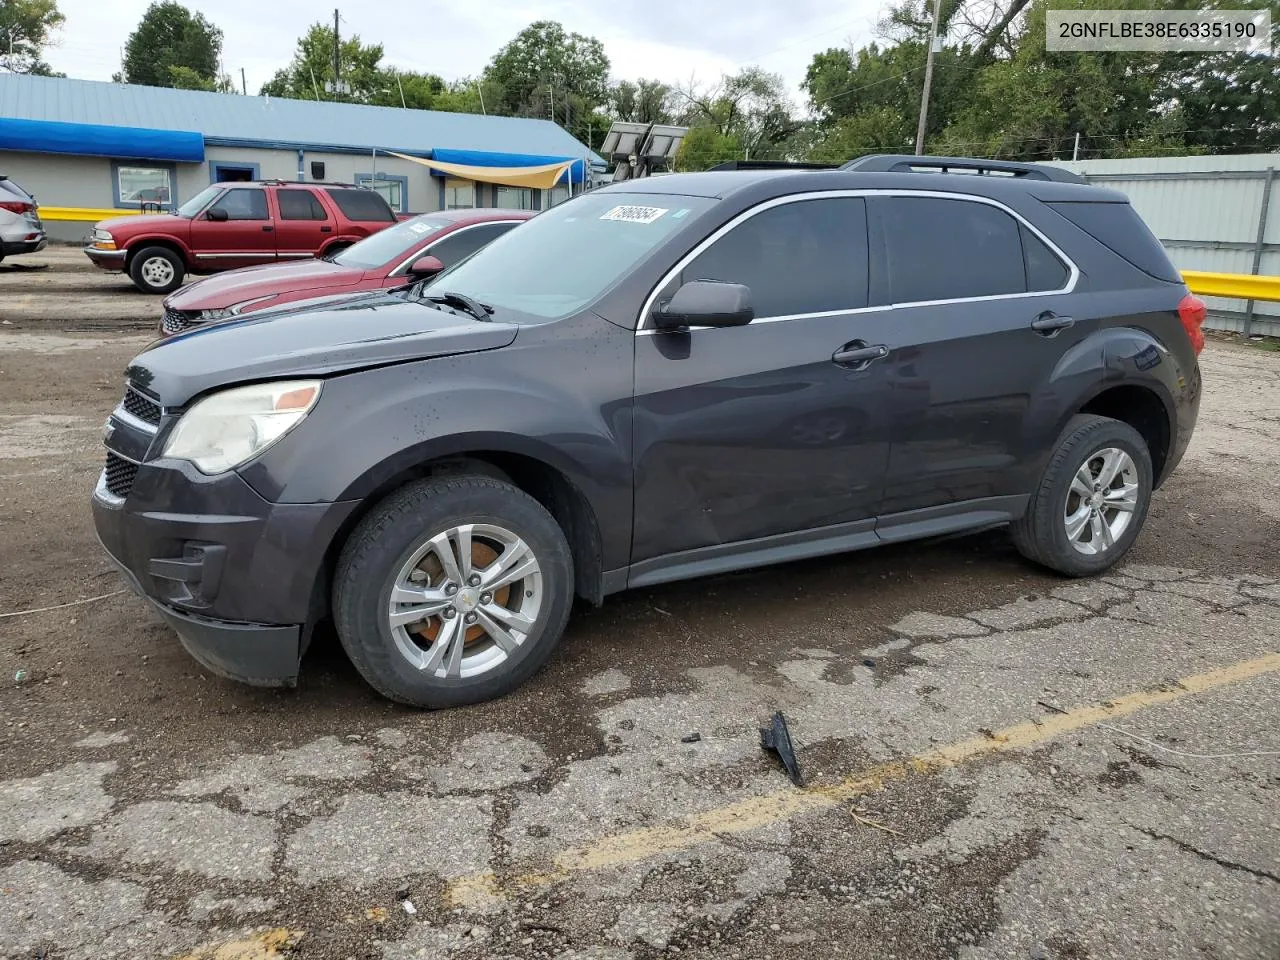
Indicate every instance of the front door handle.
{"type": "Point", "coordinates": [857, 355]}
{"type": "Point", "coordinates": [268, 228]}
{"type": "Point", "coordinates": [1049, 323]}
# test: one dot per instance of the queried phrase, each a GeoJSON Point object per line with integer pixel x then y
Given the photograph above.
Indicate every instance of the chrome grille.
{"type": "Point", "coordinates": [119, 475]}
{"type": "Point", "coordinates": [175, 321]}
{"type": "Point", "coordinates": [141, 406]}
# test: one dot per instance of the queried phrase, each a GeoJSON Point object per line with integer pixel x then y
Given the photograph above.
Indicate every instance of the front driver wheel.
{"type": "Point", "coordinates": [452, 591]}
{"type": "Point", "coordinates": [1092, 499]}
{"type": "Point", "coordinates": [156, 270]}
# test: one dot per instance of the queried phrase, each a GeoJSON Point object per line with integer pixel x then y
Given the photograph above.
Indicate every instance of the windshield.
{"type": "Point", "coordinates": [564, 258]}
{"type": "Point", "coordinates": [391, 243]}
{"type": "Point", "coordinates": [197, 203]}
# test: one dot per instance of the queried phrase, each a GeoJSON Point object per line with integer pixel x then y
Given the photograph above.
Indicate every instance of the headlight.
{"type": "Point", "coordinates": [102, 240]}
{"type": "Point", "coordinates": [224, 430]}
{"type": "Point", "coordinates": [226, 313]}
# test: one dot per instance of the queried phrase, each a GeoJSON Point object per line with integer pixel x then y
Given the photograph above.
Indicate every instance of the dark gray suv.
{"type": "Point", "coordinates": [662, 379]}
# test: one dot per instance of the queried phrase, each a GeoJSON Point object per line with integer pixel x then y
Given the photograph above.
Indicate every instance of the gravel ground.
{"type": "Point", "coordinates": [962, 799]}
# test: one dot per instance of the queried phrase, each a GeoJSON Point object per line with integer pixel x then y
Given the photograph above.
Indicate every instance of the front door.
{"type": "Point", "coordinates": [244, 238]}
{"type": "Point", "coordinates": [982, 315]}
{"type": "Point", "coordinates": [303, 225]}
{"type": "Point", "coordinates": [775, 427]}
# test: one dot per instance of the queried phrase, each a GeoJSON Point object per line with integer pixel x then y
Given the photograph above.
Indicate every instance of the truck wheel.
{"type": "Point", "coordinates": [1091, 501]}
{"type": "Point", "coordinates": [452, 591]}
{"type": "Point", "coordinates": [156, 270]}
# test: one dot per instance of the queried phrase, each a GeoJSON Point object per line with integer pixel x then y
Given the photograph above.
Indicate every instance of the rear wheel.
{"type": "Point", "coordinates": [156, 270]}
{"type": "Point", "coordinates": [1092, 500]}
{"type": "Point", "coordinates": [453, 591]}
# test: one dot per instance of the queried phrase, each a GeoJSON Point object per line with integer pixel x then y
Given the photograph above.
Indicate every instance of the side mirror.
{"type": "Point", "coordinates": [217, 214]}
{"type": "Point", "coordinates": [427, 266]}
{"type": "Point", "coordinates": [706, 303]}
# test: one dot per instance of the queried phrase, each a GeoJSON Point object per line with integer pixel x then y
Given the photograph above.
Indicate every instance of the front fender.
{"type": "Point", "coordinates": [163, 240]}
{"type": "Point", "coordinates": [373, 426]}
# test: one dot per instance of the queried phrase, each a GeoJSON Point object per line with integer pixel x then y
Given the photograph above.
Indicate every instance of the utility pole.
{"type": "Point", "coordinates": [401, 86]}
{"type": "Point", "coordinates": [928, 78]}
{"type": "Point", "coordinates": [337, 63]}
{"type": "Point", "coordinates": [244, 84]}
{"type": "Point", "coordinates": [1075, 151]}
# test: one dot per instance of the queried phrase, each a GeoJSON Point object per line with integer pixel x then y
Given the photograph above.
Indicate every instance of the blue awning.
{"type": "Point", "coordinates": [92, 140]}
{"type": "Point", "coordinates": [483, 158]}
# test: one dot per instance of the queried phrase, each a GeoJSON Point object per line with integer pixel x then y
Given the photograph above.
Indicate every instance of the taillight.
{"type": "Point", "coordinates": [16, 206]}
{"type": "Point", "coordinates": [1192, 311]}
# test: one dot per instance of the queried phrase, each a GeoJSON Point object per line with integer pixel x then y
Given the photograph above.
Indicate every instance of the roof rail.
{"type": "Point", "coordinates": [905, 163]}
{"type": "Point", "coordinates": [769, 165]}
{"type": "Point", "coordinates": [277, 182]}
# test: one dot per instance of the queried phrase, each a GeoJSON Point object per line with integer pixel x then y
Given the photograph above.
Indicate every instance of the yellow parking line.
{"type": "Point", "coordinates": [756, 812]}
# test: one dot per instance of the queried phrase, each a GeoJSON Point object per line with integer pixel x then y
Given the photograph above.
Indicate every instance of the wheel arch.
{"type": "Point", "coordinates": [535, 471]}
{"type": "Point", "coordinates": [141, 243]}
{"type": "Point", "coordinates": [1142, 407]}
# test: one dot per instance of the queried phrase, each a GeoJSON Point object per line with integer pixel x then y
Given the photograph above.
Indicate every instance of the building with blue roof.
{"type": "Point", "coordinates": [88, 150]}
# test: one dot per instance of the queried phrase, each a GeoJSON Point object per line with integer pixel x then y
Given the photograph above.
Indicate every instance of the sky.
{"type": "Point", "coordinates": [671, 40]}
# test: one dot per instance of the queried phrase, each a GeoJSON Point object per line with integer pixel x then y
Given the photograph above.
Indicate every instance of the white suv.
{"type": "Point", "coordinates": [20, 228]}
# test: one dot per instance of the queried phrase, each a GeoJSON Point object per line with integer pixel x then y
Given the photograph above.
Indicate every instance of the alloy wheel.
{"type": "Point", "coordinates": [1101, 501]}
{"type": "Point", "coordinates": [465, 600]}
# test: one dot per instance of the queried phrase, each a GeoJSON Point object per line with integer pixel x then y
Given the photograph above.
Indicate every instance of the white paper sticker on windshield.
{"type": "Point", "coordinates": [419, 228]}
{"type": "Point", "coordinates": [635, 214]}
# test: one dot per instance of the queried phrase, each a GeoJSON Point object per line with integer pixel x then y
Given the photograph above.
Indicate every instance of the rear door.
{"type": "Point", "coordinates": [770, 428]}
{"type": "Point", "coordinates": [303, 225]}
{"type": "Point", "coordinates": [245, 238]}
{"type": "Point", "coordinates": [983, 311]}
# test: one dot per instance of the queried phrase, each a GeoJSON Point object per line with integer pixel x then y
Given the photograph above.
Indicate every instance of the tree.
{"type": "Point", "coordinates": [25, 28]}
{"type": "Point", "coordinates": [645, 101]}
{"type": "Point", "coordinates": [542, 66]}
{"type": "Point", "coordinates": [312, 68]}
{"type": "Point", "coordinates": [170, 36]}
{"type": "Point", "coordinates": [749, 109]}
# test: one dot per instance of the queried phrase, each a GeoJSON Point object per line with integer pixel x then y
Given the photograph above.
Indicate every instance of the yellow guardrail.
{"type": "Point", "coordinates": [84, 214]}
{"type": "Point", "coordinates": [1237, 285]}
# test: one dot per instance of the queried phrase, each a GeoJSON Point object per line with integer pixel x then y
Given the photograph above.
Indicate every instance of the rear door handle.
{"type": "Point", "coordinates": [1049, 323]}
{"type": "Point", "coordinates": [268, 228]}
{"type": "Point", "coordinates": [857, 355]}
{"type": "Point", "coordinates": [326, 229]}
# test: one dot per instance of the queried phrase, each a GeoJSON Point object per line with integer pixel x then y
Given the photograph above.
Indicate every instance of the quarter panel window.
{"type": "Point", "coordinates": [1044, 270]}
{"type": "Point", "coordinates": [804, 257]}
{"type": "Point", "coordinates": [940, 249]}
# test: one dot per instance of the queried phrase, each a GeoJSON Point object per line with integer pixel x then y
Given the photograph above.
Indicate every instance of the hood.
{"type": "Point", "coordinates": [371, 331]}
{"type": "Point", "coordinates": [162, 222]}
{"type": "Point", "coordinates": [250, 283]}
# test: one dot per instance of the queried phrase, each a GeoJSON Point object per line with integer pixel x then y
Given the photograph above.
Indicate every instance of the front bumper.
{"type": "Point", "coordinates": [241, 580]}
{"type": "Point", "coordinates": [105, 259]}
{"type": "Point", "coordinates": [12, 248]}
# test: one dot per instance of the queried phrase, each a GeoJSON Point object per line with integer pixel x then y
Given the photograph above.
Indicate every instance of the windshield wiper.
{"type": "Point", "coordinates": [449, 298]}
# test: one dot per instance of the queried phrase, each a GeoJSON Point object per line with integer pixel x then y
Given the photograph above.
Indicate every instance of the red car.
{"type": "Point", "coordinates": [230, 225]}
{"type": "Point", "coordinates": [412, 249]}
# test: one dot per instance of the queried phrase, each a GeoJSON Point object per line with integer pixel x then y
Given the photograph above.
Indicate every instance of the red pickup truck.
{"type": "Point", "coordinates": [230, 225]}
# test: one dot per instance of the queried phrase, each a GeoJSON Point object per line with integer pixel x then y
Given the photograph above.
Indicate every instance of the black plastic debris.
{"type": "Point", "coordinates": [777, 737]}
{"type": "Point", "coordinates": [691, 738]}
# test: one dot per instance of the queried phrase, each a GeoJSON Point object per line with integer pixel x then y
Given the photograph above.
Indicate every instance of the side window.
{"type": "Point", "coordinates": [244, 204]}
{"type": "Point", "coordinates": [299, 205]}
{"type": "Point", "coordinates": [948, 249]}
{"type": "Point", "coordinates": [456, 248]}
{"type": "Point", "coordinates": [1044, 270]}
{"type": "Point", "coordinates": [804, 257]}
{"type": "Point", "coordinates": [362, 206]}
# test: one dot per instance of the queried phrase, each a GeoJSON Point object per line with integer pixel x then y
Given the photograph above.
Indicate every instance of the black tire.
{"type": "Point", "coordinates": [1041, 534]}
{"type": "Point", "coordinates": [387, 539]}
{"type": "Point", "coordinates": [157, 280]}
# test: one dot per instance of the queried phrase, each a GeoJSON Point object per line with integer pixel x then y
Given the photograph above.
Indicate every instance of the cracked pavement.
{"type": "Point", "coordinates": [147, 810]}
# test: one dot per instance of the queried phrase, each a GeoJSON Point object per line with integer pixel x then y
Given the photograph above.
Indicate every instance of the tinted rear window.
{"type": "Point", "coordinates": [9, 186]}
{"type": "Point", "coordinates": [1044, 270]}
{"type": "Point", "coordinates": [357, 204]}
{"type": "Point", "coordinates": [950, 249]}
{"type": "Point", "coordinates": [1118, 227]}
{"type": "Point", "coordinates": [299, 205]}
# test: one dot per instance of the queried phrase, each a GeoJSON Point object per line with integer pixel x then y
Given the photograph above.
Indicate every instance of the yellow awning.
{"type": "Point", "coordinates": [541, 178]}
